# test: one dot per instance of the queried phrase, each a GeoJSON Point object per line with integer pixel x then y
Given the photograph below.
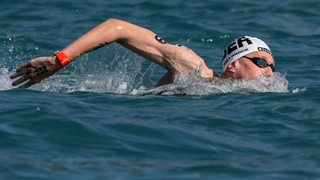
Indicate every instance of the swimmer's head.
{"type": "Point", "coordinates": [241, 47]}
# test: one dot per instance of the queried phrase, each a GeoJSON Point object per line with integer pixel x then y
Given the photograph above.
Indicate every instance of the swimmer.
{"type": "Point", "coordinates": [245, 58]}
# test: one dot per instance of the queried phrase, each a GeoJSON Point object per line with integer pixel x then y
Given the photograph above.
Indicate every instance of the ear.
{"type": "Point", "coordinates": [232, 67]}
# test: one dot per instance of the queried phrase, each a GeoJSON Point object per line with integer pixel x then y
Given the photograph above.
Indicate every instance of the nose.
{"type": "Point", "coordinates": [267, 72]}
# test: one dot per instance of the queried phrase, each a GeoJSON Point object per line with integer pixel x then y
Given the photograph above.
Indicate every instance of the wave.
{"type": "Point", "coordinates": [120, 82]}
{"type": "Point", "coordinates": [187, 86]}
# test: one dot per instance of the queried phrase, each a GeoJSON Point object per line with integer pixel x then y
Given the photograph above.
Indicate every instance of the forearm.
{"type": "Point", "coordinates": [103, 34]}
{"type": "Point", "coordinates": [142, 41]}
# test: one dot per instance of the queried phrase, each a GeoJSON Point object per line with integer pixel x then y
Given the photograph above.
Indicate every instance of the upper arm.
{"type": "Point", "coordinates": [174, 58]}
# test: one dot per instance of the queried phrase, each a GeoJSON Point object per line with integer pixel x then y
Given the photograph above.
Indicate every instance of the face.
{"type": "Point", "coordinates": [244, 68]}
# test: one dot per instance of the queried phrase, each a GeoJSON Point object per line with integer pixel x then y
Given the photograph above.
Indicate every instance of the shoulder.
{"type": "Point", "coordinates": [187, 61]}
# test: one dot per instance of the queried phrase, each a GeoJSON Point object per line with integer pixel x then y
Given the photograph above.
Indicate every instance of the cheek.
{"type": "Point", "coordinates": [249, 72]}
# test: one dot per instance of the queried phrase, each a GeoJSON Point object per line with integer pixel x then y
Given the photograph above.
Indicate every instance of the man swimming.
{"type": "Point", "coordinates": [245, 58]}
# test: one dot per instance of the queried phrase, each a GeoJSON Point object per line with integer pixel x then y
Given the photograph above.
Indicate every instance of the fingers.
{"type": "Point", "coordinates": [20, 72]}
{"type": "Point", "coordinates": [34, 71]}
{"type": "Point", "coordinates": [28, 76]}
{"type": "Point", "coordinates": [24, 66]}
{"type": "Point", "coordinates": [27, 84]}
{"type": "Point", "coordinates": [23, 73]}
{"type": "Point", "coordinates": [21, 80]}
{"type": "Point", "coordinates": [26, 79]}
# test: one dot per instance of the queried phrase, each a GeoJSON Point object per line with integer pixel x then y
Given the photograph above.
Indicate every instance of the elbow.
{"type": "Point", "coordinates": [113, 30]}
{"type": "Point", "coordinates": [114, 23]}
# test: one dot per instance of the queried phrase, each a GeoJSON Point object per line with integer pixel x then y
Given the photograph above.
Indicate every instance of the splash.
{"type": "Point", "coordinates": [123, 81]}
{"type": "Point", "coordinates": [123, 73]}
{"type": "Point", "coordinates": [5, 82]}
{"type": "Point", "coordinates": [191, 87]}
{"type": "Point", "coordinates": [127, 73]}
{"type": "Point", "coordinates": [118, 72]}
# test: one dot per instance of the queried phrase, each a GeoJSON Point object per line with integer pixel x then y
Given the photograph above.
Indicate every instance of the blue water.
{"type": "Point", "coordinates": [101, 118]}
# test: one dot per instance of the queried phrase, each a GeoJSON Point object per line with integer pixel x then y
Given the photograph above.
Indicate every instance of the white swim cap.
{"type": "Point", "coordinates": [241, 47]}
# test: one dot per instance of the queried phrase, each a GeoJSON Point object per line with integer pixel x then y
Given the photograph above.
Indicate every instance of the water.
{"type": "Point", "coordinates": [100, 118]}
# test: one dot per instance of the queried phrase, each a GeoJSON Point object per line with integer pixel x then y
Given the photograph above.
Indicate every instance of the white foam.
{"type": "Point", "coordinates": [187, 86]}
{"type": "Point", "coordinates": [122, 74]}
{"type": "Point", "coordinates": [5, 82]}
{"type": "Point", "coordinates": [297, 90]}
{"type": "Point", "coordinates": [126, 74]}
{"type": "Point", "coordinates": [124, 82]}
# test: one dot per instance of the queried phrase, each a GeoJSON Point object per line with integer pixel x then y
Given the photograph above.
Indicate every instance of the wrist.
{"type": "Point", "coordinates": [63, 58]}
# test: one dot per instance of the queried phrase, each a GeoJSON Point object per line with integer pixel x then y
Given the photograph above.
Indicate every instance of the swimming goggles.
{"type": "Point", "coordinates": [262, 63]}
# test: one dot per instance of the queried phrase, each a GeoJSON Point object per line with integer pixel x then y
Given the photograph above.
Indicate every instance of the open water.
{"type": "Point", "coordinates": [101, 118]}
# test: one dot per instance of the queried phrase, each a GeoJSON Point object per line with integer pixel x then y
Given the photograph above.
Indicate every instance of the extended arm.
{"type": "Point", "coordinates": [139, 40]}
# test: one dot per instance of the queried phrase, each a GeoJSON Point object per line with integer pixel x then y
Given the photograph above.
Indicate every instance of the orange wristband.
{"type": "Point", "coordinates": [63, 58]}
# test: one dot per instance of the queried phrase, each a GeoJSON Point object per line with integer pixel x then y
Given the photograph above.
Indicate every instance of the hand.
{"type": "Point", "coordinates": [35, 71]}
